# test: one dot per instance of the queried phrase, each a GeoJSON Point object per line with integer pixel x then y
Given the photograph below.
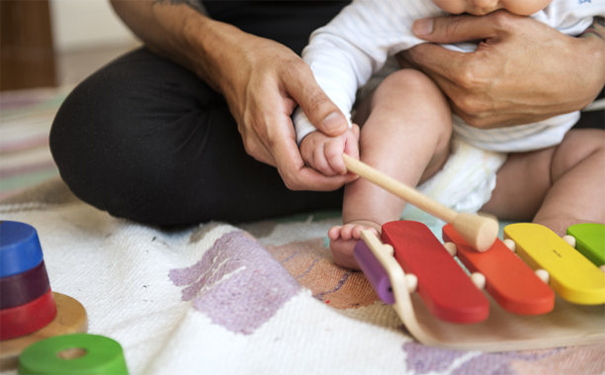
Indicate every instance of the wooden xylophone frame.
{"type": "Point", "coordinates": [567, 324]}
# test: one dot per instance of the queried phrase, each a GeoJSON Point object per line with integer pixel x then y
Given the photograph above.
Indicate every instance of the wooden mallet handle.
{"type": "Point", "coordinates": [479, 231]}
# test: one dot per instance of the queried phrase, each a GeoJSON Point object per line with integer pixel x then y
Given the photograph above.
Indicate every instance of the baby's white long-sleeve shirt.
{"type": "Point", "coordinates": [345, 53]}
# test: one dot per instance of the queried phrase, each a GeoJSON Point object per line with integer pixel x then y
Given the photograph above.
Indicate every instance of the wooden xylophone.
{"type": "Point", "coordinates": [441, 303]}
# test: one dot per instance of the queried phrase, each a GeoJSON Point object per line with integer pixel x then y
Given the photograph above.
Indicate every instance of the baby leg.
{"type": "Point", "coordinates": [556, 187]}
{"type": "Point", "coordinates": [406, 135]}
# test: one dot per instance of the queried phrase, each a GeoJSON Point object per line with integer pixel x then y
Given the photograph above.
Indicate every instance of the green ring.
{"type": "Point", "coordinates": [101, 355]}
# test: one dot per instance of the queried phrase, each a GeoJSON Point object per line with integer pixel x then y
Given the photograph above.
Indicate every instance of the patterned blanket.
{"type": "Point", "coordinates": [261, 298]}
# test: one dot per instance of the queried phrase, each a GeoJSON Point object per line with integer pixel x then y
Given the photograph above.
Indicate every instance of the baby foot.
{"type": "Point", "coordinates": [343, 239]}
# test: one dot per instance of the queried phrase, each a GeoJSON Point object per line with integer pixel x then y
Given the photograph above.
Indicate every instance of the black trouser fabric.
{"type": "Point", "coordinates": [145, 139]}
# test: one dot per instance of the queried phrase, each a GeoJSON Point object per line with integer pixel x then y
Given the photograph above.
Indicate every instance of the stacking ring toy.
{"type": "Point", "coordinates": [77, 353]}
{"type": "Point", "coordinates": [20, 248]}
{"type": "Point", "coordinates": [29, 310]}
{"type": "Point", "coordinates": [70, 318]}
{"type": "Point", "coordinates": [24, 287]}
{"type": "Point", "coordinates": [22, 320]}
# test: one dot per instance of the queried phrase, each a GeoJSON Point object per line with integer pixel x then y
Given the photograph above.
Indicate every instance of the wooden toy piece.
{"type": "Point", "coordinates": [571, 275]}
{"type": "Point", "coordinates": [70, 318]}
{"type": "Point", "coordinates": [568, 324]}
{"type": "Point", "coordinates": [509, 281]}
{"type": "Point", "coordinates": [374, 272]}
{"type": "Point", "coordinates": [590, 241]}
{"type": "Point", "coordinates": [25, 319]}
{"type": "Point", "coordinates": [23, 287]}
{"type": "Point", "coordinates": [443, 285]}
{"type": "Point", "coordinates": [479, 231]}
{"type": "Point", "coordinates": [20, 248]}
{"type": "Point", "coordinates": [74, 354]}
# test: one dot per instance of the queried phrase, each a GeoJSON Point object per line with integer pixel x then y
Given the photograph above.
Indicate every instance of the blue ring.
{"type": "Point", "coordinates": [20, 248]}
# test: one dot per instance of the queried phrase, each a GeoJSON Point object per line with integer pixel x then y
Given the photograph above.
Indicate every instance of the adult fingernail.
{"type": "Point", "coordinates": [333, 122]}
{"type": "Point", "coordinates": [423, 26]}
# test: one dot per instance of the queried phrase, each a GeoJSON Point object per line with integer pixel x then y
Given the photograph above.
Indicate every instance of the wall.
{"type": "Point", "coordinates": [86, 24]}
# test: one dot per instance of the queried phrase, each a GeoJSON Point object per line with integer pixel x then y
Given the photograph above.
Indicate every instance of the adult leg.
{"type": "Point", "coordinates": [145, 139]}
{"type": "Point", "coordinates": [556, 187]}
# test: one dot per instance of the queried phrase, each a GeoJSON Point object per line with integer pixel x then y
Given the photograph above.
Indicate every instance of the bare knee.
{"type": "Point", "coordinates": [407, 82]}
{"type": "Point", "coordinates": [525, 179]}
{"type": "Point", "coordinates": [577, 145]}
{"type": "Point", "coordinates": [414, 98]}
{"type": "Point", "coordinates": [414, 95]}
{"type": "Point", "coordinates": [411, 78]}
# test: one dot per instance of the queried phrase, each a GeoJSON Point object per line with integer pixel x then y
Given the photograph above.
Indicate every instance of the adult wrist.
{"type": "Point", "coordinates": [215, 52]}
{"type": "Point", "coordinates": [595, 36]}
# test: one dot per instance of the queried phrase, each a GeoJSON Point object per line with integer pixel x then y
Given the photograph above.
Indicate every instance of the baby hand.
{"type": "Point", "coordinates": [324, 153]}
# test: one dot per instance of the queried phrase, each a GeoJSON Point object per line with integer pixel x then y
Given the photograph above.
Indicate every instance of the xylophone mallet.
{"type": "Point", "coordinates": [479, 231]}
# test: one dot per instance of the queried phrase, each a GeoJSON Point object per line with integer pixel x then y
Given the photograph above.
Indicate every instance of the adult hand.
{"type": "Point", "coordinates": [261, 80]}
{"type": "Point", "coordinates": [263, 87]}
{"type": "Point", "coordinates": [521, 71]}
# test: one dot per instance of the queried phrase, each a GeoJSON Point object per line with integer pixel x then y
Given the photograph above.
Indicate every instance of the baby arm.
{"type": "Point", "coordinates": [324, 153]}
{"type": "Point", "coordinates": [345, 53]}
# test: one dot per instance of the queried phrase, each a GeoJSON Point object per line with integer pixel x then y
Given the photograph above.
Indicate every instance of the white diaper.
{"type": "Point", "coordinates": [464, 184]}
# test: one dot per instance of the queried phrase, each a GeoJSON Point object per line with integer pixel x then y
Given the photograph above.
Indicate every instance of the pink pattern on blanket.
{"type": "Point", "coordinates": [236, 283]}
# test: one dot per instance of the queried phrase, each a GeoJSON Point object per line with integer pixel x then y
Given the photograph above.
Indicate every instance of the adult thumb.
{"type": "Point", "coordinates": [454, 29]}
{"type": "Point", "coordinates": [317, 106]}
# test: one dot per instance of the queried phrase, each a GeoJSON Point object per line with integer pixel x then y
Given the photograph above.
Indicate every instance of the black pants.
{"type": "Point", "coordinates": [145, 139]}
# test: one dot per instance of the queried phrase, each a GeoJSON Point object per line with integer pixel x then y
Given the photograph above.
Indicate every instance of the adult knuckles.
{"type": "Point", "coordinates": [449, 26]}
{"type": "Point", "coordinates": [297, 72]}
{"type": "Point", "coordinates": [469, 74]}
{"type": "Point", "coordinates": [292, 182]}
{"type": "Point", "coordinates": [250, 141]}
{"type": "Point", "coordinates": [295, 182]}
{"type": "Point", "coordinates": [293, 70]}
{"type": "Point", "coordinates": [251, 147]}
{"type": "Point", "coordinates": [470, 103]}
{"type": "Point", "coordinates": [476, 120]}
{"type": "Point", "coordinates": [473, 106]}
{"type": "Point", "coordinates": [502, 20]}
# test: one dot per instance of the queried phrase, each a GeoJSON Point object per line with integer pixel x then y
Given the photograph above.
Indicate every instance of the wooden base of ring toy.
{"type": "Point", "coordinates": [71, 318]}
{"type": "Point", "coordinates": [25, 319]}
{"type": "Point", "coordinates": [567, 324]}
{"type": "Point", "coordinates": [74, 354]}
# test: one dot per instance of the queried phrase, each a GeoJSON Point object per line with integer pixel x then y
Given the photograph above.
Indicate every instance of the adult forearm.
{"type": "Point", "coordinates": [261, 80]}
{"type": "Point", "coordinates": [595, 35]}
{"type": "Point", "coordinates": [181, 32]}
{"type": "Point", "coordinates": [587, 60]}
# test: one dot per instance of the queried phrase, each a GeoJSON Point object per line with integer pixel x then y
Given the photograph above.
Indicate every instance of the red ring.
{"type": "Point", "coordinates": [23, 287]}
{"type": "Point", "coordinates": [25, 319]}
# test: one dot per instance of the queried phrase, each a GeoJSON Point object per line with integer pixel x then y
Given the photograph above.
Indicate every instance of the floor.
{"type": "Point", "coordinates": [74, 66]}
{"type": "Point", "coordinates": [26, 117]}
